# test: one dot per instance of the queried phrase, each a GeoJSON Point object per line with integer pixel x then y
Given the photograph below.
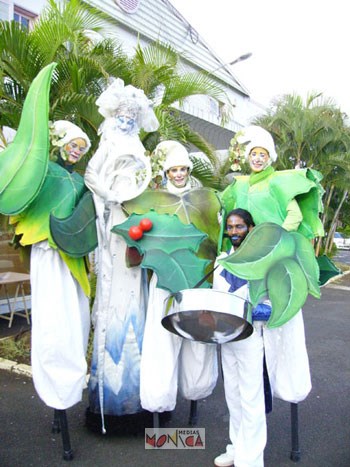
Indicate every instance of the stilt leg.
{"type": "Point", "coordinates": [295, 453]}
{"type": "Point", "coordinates": [55, 427]}
{"type": "Point", "coordinates": [63, 425]}
{"type": "Point", "coordinates": [193, 414]}
{"type": "Point", "coordinates": [155, 420]}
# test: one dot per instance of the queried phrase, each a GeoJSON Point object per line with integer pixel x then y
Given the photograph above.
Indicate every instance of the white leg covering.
{"type": "Point", "coordinates": [287, 360]}
{"type": "Point", "coordinates": [60, 329]}
{"type": "Point", "coordinates": [159, 359]}
{"type": "Point", "coordinates": [198, 369]}
{"type": "Point", "coordinates": [242, 363]}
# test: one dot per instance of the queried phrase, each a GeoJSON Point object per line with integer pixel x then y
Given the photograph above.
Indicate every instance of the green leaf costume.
{"type": "Point", "coordinates": [266, 196]}
{"type": "Point", "coordinates": [31, 187]}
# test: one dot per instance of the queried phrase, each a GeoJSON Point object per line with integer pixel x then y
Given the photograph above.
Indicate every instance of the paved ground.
{"type": "Point", "coordinates": [324, 417]}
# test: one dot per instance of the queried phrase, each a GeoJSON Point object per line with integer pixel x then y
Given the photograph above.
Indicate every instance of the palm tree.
{"type": "Point", "coordinates": [302, 131]}
{"type": "Point", "coordinates": [71, 35]}
{"type": "Point", "coordinates": [83, 66]}
{"type": "Point", "coordinates": [313, 134]}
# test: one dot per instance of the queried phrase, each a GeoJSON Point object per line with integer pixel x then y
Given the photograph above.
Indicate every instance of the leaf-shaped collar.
{"type": "Point", "coordinates": [259, 176]}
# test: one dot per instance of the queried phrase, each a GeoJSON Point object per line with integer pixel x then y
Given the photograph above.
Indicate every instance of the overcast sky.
{"type": "Point", "coordinates": [298, 46]}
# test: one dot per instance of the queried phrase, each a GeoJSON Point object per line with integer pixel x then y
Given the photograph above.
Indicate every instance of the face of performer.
{"type": "Point", "coordinates": [237, 229]}
{"type": "Point", "coordinates": [259, 159]}
{"type": "Point", "coordinates": [74, 150]}
{"type": "Point", "coordinates": [178, 175]}
{"type": "Point", "coordinates": [125, 122]}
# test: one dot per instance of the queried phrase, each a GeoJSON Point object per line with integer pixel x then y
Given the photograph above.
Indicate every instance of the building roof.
{"type": "Point", "coordinates": [159, 20]}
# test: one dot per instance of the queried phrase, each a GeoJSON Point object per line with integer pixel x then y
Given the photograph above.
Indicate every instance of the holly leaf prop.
{"type": "Point", "coordinates": [58, 196]}
{"type": "Point", "coordinates": [168, 249]}
{"type": "Point", "coordinates": [23, 164]}
{"type": "Point", "coordinates": [199, 206]}
{"type": "Point", "coordinates": [167, 233]}
{"type": "Point", "coordinates": [76, 234]}
{"type": "Point", "coordinates": [176, 271]}
{"type": "Point", "coordinates": [278, 264]}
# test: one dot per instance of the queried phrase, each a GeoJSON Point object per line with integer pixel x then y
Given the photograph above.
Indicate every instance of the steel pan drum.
{"type": "Point", "coordinates": [207, 315]}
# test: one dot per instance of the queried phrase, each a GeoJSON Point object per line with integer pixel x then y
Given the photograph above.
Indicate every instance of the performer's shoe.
{"type": "Point", "coordinates": [224, 460]}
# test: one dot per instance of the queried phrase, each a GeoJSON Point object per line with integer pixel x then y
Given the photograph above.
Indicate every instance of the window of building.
{"type": "Point", "coordinates": [24, 17]}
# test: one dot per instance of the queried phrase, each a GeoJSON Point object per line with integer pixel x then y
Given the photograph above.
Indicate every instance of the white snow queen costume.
{"type": "Point", "coordinates": [118, 171]}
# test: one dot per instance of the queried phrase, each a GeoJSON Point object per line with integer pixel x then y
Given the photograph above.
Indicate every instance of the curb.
{"type": "Point", "coordinates": [336, 278]}
{"type": "Point", "coordinates": [14, 367]}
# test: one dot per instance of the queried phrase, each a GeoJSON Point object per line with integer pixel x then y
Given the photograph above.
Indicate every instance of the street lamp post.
{"type": "Point", "coordinates": [236, 60]}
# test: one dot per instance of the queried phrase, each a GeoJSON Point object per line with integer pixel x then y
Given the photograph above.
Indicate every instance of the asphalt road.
{"type": "Point", "coordinates": [324, 417]}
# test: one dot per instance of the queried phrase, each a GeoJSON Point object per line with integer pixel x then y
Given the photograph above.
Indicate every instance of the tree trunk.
{"type": "Point", "coordinates": [324, 217]}
{"type": "Point", "coordinates": [334, 223]}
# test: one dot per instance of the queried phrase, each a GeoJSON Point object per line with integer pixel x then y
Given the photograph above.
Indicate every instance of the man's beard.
{"type": "Point", "coordinates": [236, 240]}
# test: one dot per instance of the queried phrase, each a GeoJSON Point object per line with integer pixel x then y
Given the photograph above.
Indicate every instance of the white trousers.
{"type": "Point", "coordinates": [169, 361]}
{"type": "Point", "coordinates": [242, 364]}
{"type": "Point", "coordinates": [60, 329]}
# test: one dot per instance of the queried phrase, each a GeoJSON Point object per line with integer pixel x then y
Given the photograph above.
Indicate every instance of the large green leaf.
{"type": "Point", "coordinates": [76, 234]}
{"type": "Point", "coordinates": [290, 293]}
{"type": "Point", "coordinates": [58, 196]}
{"type": "Point", "coordinates": [327, 269]}
{"type": "Point", "coordinates": [265, 245]}
{"type": "Point", "coordinates": [23, 164]}
{"type": "Point", "coordinates": [167, 234]}
{"type": "Point", "coordinates": [279, 265]}
{"type": "Point", "coordinates": [179, 270]}
{"type": "Point", "coordinates": [306, 259]}
{"type": "Point", "coordinates": [199, 206]}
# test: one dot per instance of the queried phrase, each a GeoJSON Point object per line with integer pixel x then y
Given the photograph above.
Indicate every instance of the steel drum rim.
{"type": "Point", "coordinates": [217, 311]}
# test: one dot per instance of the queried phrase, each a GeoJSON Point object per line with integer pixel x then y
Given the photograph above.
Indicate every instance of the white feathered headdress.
{"type": "Point", "coordinates": [118, 96]}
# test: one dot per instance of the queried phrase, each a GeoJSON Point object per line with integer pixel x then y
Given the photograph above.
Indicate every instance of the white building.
{"type": "Point", "coordinates": [158, 20]}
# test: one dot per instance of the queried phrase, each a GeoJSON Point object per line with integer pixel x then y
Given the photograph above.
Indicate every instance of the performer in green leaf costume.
{"type": "Point", "coordinates": [59, 283]}
{"type": "Point", "coordinates": [290, 198]}
{"type": "Point", "coordinates": [31, 189]}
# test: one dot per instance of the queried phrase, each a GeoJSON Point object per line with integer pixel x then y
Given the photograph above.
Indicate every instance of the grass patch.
{"type": "Point", "coordinates": [16, 348]}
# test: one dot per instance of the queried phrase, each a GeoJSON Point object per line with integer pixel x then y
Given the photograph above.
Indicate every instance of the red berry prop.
{"type": "Point", "coordinates": [146, 224]}
{"type": "Point", "coordinates": [135, 232]}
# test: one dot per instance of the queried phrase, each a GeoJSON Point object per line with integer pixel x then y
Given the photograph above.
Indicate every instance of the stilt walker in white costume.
{"type": "Point", "coordinates": [34, 189]}
{"type": "Point", "coordinates": [289, 199]}
{"type": "Point", "coordinates": [167, 360]}
{"type": "Point", "coordinates": [118, 171]}
{"type": "Point", "coordinates": [60, 307]}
